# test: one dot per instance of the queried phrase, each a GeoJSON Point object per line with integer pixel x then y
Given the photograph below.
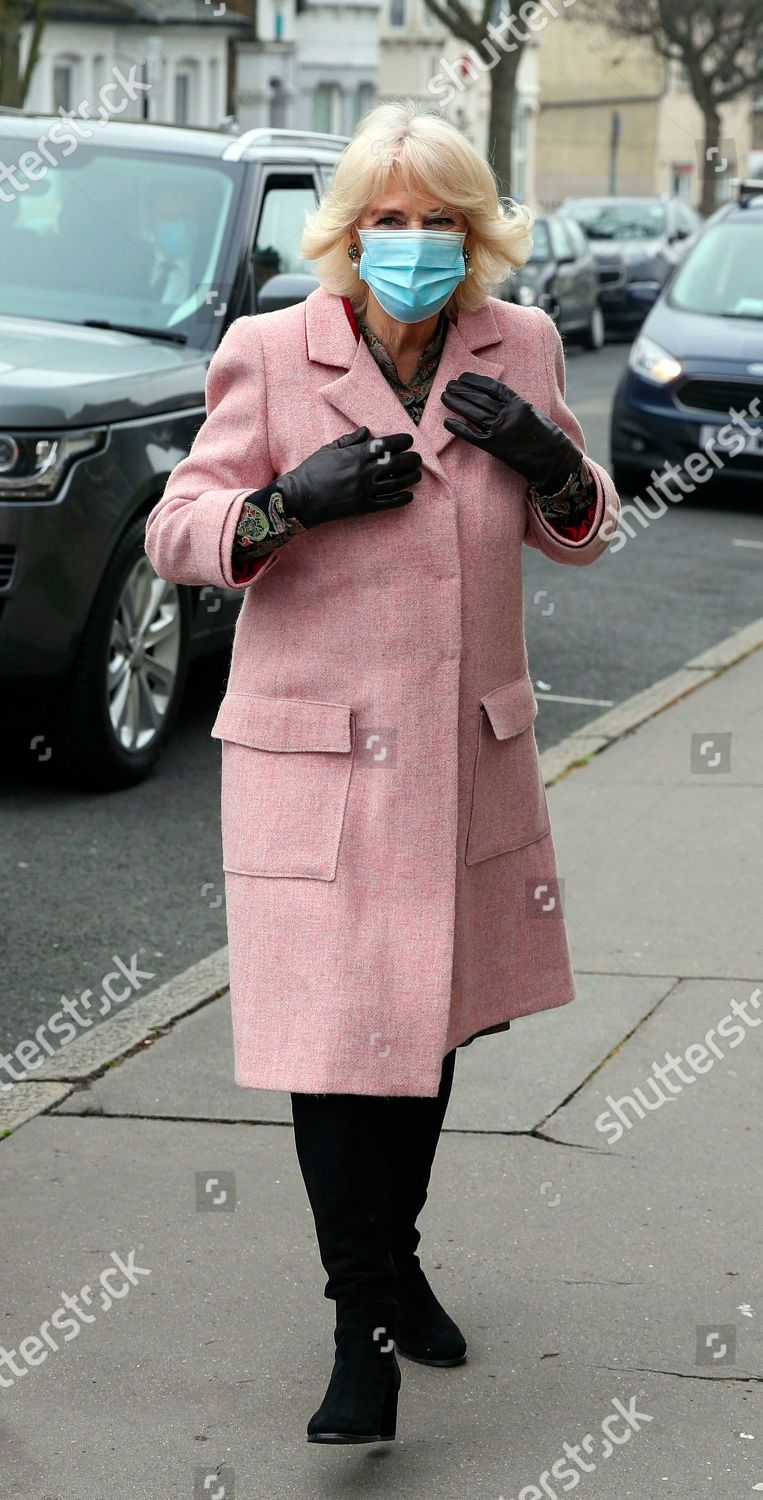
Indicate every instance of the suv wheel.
{"type": "Point", "coordinates": [125, 688]}
{"type": "Point", "coordinates": [593, 338]}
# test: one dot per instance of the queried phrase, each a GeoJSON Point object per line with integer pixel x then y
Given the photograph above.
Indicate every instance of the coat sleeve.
{"type": "Point", "coordinates": [191, 529]}
{"type": "Point", "coordinates": [604, 522]}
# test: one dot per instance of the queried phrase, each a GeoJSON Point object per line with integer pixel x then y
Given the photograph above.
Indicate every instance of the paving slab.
{"type": "Point", "coordinates": [718, 1095]}
{"type": "Point", "coordinates": [663, 865]}
{"type": "Point", "coordinates": [506, 1082]}
{"type": "Point", "coordinates": [221, 1353]}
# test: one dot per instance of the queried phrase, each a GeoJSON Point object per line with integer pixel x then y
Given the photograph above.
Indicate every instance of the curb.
{"type": "Point", "coordinates": [146, 1018]}
{"type": "Point", "coordinates": [208, 980]}
{"type": "Point", "coordinates": [571, 753]}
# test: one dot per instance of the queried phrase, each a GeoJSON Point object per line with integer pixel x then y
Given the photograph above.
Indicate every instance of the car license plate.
{"type": "Point", "coordinates": [753, 441]}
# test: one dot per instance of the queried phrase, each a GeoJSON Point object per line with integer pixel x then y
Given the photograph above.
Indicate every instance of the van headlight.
{"type": "Point", "coordinates": [33, 465]}
{"type": "Point", "coordinates": [652, 362]}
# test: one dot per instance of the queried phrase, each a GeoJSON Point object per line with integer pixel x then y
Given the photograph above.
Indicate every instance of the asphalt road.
{"type": "Point", "coordinates": [139, 872]}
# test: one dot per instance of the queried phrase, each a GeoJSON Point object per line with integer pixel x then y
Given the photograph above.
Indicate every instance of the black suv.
{"type": "Point", "coordinates": [123, 259]}
{"type": "Point", "coordinates": [637, 243]}
{"type": "Point", "coordinates": [561, 277]}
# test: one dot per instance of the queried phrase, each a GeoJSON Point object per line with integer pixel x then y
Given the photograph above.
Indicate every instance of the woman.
{"type": "Point", "coordinates": [371, 463]}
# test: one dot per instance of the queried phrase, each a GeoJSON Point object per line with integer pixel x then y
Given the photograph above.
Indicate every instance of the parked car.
{"type": "Point", "coordinates": [700, 354]}
{"type": "Point", "coordinates": [120, 270]}
{"type": "Point", "coordinates": [561, 277]}
{"type": "Point", "coordinates": [637, 243]}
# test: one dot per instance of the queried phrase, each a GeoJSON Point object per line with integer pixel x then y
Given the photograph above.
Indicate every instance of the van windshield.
{"type": "Point", "coordinates": [723, 275]}
{"type": "Point", "coordinates": [137, 239]}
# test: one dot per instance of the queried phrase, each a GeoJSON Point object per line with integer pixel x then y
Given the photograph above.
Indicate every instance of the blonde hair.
{"type": "Point", "coordinates": [423, 153]}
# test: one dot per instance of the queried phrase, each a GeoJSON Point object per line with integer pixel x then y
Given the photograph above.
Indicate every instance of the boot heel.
{"type": "Point", "coordinates": [388, 1424]}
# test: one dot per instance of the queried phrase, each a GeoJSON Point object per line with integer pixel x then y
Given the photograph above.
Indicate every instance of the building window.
{"type": "Point", "coordinates": [278, 29]}
{"type": "Point", "coordinates": [397, 12]}
{"type": "Point", "coordinates": [326, 107]}
{"type": "Point", "coordinates": [365, 95]}
{"type": "Point", "coordinates": [182, 98]}
{"type": "Point", "coordinates": [63, 86]}
{"type": "Point", "coordinates": [683, 177]}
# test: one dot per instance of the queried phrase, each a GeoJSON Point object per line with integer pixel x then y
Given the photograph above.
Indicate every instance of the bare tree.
{"type": "Point", "coordinates": [15, 78]}
{"type": "Point", "coordinates": [718, 42]}
{"type": "Point", "coordinates": [496, 41]}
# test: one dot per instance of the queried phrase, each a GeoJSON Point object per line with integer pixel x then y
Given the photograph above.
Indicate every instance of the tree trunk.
{"type": "Point", "coordinates": [25, 78]}
{"type": "Point", "coordinates": [712, 161]}
{"type": "Point", "coordinates": [502, 90]}
{"type": "Point", "coordinates": [10, 56]}
{"type": "Point", "coordinates": [15, 79]}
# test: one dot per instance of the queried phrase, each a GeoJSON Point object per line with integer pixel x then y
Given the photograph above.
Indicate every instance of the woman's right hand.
{"type": "Point", "coordinates": [354, 475]}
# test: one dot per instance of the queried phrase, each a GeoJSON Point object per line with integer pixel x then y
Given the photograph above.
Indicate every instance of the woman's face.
{"type": "Point", "coordinates": [398, 209]}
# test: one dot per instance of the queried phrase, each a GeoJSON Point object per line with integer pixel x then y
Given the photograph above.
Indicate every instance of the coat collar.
{"type": "Point", "coordinates": [363, 396]}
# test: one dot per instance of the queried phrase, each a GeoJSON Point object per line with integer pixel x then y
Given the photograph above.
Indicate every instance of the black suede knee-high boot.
{"type": "Point", "coordinates": [341, 1142]}
{"type": "Point", "coordinates": [423, 1330]}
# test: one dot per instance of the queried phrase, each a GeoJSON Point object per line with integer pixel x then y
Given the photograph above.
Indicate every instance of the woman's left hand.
{"type": "Point", "coordinates": [511, 429]}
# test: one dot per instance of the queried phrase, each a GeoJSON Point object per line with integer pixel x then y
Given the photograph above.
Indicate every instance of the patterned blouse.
{"type": "Point", "coordinates": [258, 532]}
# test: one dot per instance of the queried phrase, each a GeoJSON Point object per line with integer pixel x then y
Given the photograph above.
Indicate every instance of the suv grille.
{"type": "Point", "coordinates": [7, 562]}
{"type": "Point", "coordinates": [611, 275]}
{"type": "Point", "coordinates": [718, 395]}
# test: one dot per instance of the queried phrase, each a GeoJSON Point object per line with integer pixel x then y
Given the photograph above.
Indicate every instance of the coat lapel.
{"type": "Point", "coordinates": [363, 396]}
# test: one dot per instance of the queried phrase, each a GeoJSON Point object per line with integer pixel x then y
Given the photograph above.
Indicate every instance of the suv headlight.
{"type": "Point", "coordinates": [32, 465]}
{"type": "Point", "coordinates": [654, 363]}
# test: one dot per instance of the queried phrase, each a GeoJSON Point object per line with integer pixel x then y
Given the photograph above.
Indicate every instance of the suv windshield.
{"type": "Point", "coordinates": [723, 274]}
{"type": "Point", "coordinates": [623, 220]}
{"type": "Point", "coordinates": [541, 248]}
{"type": "Point", "coordinates": [136, 239]}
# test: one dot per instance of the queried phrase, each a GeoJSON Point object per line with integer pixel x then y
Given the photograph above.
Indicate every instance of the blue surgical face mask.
{"type": "Point", "coordinates": [412, 272]}
{"type": "Point", "coordinates": [176, 236]}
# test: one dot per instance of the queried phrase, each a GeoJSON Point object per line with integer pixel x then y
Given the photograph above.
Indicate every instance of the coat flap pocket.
{"type": "Point", "coordinates": [511, 708]}
{"type": "Point", "coordinates": [283, 723]}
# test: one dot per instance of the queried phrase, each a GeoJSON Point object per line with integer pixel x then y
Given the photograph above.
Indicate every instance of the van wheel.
{"type": "Point", "coordinates": [593, 338]}
{"type": "Point", "coordinates": [124, 691]}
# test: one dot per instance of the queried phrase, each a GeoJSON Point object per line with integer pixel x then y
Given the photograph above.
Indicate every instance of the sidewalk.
{"type": "Point", "coordinates": [588, 1265]}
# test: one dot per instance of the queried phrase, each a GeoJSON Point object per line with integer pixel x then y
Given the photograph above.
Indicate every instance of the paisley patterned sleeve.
{"type": "Point", "coordinates": [571, 512]}
{"type": "Point", "coordinates": [262, 526]}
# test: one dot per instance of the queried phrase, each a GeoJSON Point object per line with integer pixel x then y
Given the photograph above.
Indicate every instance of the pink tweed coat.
{"type": "Point", "coordinates": [389, 866]}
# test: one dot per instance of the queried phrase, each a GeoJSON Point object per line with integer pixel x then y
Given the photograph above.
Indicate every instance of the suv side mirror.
{"type": "Point", "coordinates": [284, 290]}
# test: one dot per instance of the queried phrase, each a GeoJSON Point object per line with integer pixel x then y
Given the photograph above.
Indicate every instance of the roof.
{"type": "Point", "coordinates": [149, 13]}
{"type": "Point", "coordinates": [138, 135]}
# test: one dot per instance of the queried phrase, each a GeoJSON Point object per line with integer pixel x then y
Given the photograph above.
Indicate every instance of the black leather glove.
{"type": "Point", "coordinates": [512, 430]}
{"type": "Point", "coordinates": [355, 475]}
